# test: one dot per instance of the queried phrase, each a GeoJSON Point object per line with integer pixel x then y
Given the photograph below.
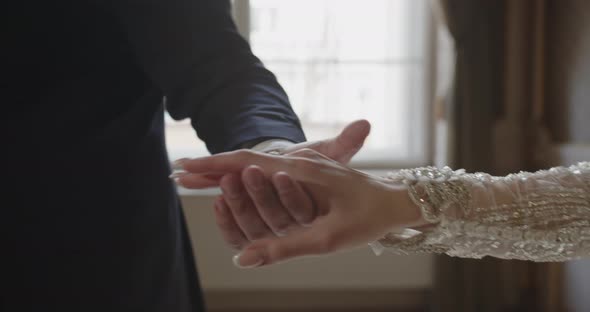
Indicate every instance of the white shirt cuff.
{"type": "Point", "coordinates": [272, 145]}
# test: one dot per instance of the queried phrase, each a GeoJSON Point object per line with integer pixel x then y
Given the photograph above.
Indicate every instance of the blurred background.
{"type": "Point", "coordinates": [486, 85]}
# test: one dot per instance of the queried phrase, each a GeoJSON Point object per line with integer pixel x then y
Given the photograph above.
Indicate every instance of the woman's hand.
{"type": "Point", "coordinates": [353, 208]}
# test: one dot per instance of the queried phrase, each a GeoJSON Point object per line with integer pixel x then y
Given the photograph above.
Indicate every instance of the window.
{"type": "Point", "coordinates": [341, 60]}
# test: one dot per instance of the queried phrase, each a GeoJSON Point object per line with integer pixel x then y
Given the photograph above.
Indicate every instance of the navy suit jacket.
{"type": "Point", "coordinates": [90, 220]}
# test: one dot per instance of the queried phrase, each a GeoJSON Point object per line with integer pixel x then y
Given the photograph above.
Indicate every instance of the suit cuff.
{"type": "Point", "coordinates": [272, 145]}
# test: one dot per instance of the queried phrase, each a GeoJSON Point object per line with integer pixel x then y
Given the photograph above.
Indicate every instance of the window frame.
{"type": "Point", "coordinates": [422, 132]}
{"type": "Point", "coordinates": [424, 145]}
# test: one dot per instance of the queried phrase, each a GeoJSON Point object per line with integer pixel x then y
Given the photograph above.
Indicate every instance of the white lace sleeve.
{"type": "Point", "coordinates": [542, 216]}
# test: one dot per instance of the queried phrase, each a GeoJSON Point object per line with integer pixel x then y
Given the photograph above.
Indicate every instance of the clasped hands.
{"type": "Point", "coordinates": [303, 202]}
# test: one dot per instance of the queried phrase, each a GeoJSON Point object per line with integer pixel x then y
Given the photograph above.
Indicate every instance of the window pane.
{"type": "Point", "coordinates": [342, 60]}
{"type": "Point", "coordinates": [182, 141]}
{"type": "Point", "coordinates": [335, 29]}
{"type": "Point", "coordinates": [328, 96]}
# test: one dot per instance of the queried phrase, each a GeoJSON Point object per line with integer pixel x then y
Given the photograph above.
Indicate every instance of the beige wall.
{"type": "Point", "coordinates": [359, 269]}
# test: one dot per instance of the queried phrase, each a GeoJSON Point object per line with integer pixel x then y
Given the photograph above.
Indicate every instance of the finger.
{"type": "Point", "coordinates": [301, 169]}
{"type": "Point", "coordinates": [179, 163]}
{"type": "Point", "coordinates": [310, 241]}
{"type": "Point", "coordinates": [353, 136]}
{"type": "Point", "coordinates": [267, 203]}
{"type": "Point", "coordinates": [225, 162]}
{"type": "Point", "coordinates": [193, 181]}
{"type": "Point", "coordinates": [242, 208]}
{"type": "Point", "coordinates": [349, 141]}
{"type": "Point", "coordinates": [230, 230]}
{"type": "Point", "coordinates": [294, 198]}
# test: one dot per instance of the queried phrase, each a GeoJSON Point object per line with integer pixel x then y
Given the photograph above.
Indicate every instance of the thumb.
{"type": "Point", "coordinates": [273, 250]}
{"type": "Point", "coordinates": [349, 141]}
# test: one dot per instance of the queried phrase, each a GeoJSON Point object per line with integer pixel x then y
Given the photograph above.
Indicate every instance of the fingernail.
{"type": "Point", "coordinates": [247, 260]}
{"type": "Point", "coordinates": [179, 163]}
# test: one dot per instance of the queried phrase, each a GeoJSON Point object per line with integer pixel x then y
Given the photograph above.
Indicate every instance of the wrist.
{"type": "Point", "coordinates": [406, 214]}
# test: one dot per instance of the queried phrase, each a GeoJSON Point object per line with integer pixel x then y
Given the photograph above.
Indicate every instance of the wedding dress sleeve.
{"type": "Point", "coordinates": [542, 216]}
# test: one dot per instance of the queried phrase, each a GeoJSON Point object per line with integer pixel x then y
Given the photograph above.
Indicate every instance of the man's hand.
{"type": "Point", "coordinates": [342, 147]}
{"type": "Point", "coordinates": [253, 208]}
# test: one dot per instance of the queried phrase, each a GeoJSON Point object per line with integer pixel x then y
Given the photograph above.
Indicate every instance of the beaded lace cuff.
{"type": "Point", "coordinates": [542, 216]}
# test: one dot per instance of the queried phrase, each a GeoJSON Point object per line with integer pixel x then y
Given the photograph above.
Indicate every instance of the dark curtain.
{"type": "Point", "coordinates": [492, 128]}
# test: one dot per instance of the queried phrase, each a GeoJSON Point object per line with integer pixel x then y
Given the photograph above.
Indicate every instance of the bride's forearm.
{"type": "Point", "coordinates": [542, 216]}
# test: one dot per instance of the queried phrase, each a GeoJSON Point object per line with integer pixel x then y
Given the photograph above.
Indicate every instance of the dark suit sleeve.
{"type": "Point", "coordinates": [206, 70]}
